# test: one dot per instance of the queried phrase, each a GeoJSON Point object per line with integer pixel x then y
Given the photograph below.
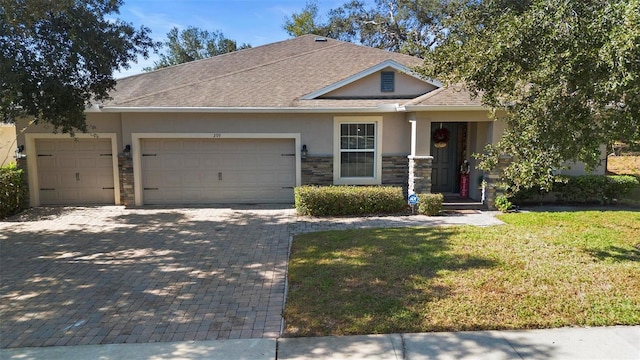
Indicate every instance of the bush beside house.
{"type": "Point", "coordinates": [430, 204]}
{"type": "Point", "coordinates": [348, 200]}
{"type": "Point", "coordinates": [13, 192]}
{"type": "Point", "coordinates": [585, 189]}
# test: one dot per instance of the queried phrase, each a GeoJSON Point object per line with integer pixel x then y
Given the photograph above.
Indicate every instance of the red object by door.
{"type": "Point", "coordinates": [464, 186]}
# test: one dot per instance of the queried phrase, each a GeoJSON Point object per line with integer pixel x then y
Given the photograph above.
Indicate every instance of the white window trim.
{"type": "Point", "coordinates": [377, 170]}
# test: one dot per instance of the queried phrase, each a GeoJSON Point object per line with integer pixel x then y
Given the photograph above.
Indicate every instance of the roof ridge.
{"type": "Point", "coordinates": [339, 43]}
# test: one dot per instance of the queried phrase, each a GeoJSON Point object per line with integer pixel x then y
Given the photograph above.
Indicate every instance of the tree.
{"type": "Point", "coordinates": [194, 44]}
{"type": "Point", "coordinates": [563, 74]}
{"type": "Point", "coordinates": [59, 56]}
{"type": "Point", "coordinates": [406, 26]}
{"type": "Point", "coordinates": [305, 22]}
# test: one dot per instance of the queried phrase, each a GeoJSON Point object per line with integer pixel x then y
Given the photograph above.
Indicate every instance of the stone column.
{"type": "Point", "coordinates": [125, 169]}
{"type": "Point", "coordinates": [494, 179]}
{"type": "Point", "coordinates": [420, 168]}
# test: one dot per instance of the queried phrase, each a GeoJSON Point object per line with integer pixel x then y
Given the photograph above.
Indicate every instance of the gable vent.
{"type": "Point", "coordinates": [321, 39]}
{"type": "Point", "coordinates": [387, 83]}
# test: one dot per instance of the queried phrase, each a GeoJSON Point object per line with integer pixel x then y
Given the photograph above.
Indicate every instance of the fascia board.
{"type": "Point", "coordinates": [253, 110]}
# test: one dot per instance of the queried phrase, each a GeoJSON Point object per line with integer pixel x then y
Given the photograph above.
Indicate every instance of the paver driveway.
{"type": "Point", "coordinates": [103, 275]}
{"type": "Point", "coordinates": [108, 275]}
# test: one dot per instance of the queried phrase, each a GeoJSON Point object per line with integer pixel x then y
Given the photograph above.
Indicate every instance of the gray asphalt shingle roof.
{"type": "Point", "coordinates": [272, 76]}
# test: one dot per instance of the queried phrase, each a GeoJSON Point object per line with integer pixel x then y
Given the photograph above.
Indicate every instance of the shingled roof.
{"type": "Point", "coordinates": [276, 75]}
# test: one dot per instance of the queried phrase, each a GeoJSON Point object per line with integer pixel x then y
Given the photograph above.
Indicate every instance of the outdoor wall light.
{"type": "Point", "coordinates": [20, 152]}
{"type": "Point", "coordinates": [304, 152]}
{"type": "Point", "coordinates": [127, 151]}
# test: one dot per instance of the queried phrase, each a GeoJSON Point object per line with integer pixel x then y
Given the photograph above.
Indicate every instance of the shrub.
{"type": "Point", "coordinates": [348, 200]}
{"type": "Point", "coordinates": [430, 204]}
{"type": "Point", "coordinates": [12, 191]}
{"type": "Point", "coordinates": [502, 203]}
{"type": "Point", "coordinates": [582, 189]}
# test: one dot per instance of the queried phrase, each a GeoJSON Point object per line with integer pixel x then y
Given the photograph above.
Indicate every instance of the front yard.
{"type": "Point", "coordinates": [541, 270]}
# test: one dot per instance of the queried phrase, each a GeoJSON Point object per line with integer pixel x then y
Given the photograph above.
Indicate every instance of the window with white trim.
{"type": "Point", "coordinates": [357, 159]}
{"type": "Point", "coordinates": [357, 149]}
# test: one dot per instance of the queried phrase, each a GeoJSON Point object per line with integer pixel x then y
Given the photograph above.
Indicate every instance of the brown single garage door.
{"type": "Point", "coordinates": [200, 171]}
{"type": "Point", "coordinates": [75, 172]}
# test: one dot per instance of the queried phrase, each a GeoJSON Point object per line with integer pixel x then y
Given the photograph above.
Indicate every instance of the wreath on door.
{"type": "Point", "coordinates": [440, 137]}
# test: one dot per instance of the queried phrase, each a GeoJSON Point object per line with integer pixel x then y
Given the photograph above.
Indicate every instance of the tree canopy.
{"type": "Point", "coordinates": [194, 44]}
{"type": "Point", "coordinates": [59, 56]}
{"type": "Point", "coordinates": [406, 26]}
{"type": "Point", "coordinates": [563, 74]}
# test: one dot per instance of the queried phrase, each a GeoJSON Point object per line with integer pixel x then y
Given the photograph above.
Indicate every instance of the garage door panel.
{"type": "Point", "coordinates": [219, 170]}
{"type": "Point", "coordinates": [75, 172]}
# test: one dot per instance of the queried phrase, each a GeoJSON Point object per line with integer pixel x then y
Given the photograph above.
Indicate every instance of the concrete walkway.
{"type": "Point", "coordinates": [563, 343]}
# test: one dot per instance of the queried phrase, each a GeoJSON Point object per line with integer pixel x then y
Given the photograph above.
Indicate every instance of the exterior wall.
{"type": "Point", "coordinates": [581, 169]}
{"type": "Point", "coordinates": [316, 130]}
{"type": "Point", "coordinates": [395, 171]}
{"type": "Point", "coordinates": [7, 144]}
{"type": "Point", "coordinates": [396, 135]}
{"type": "Point", "coordinates": [477, 139]}
{"type": "Point", "coordinates": [97, 123]}
{"type": "Point", "coordinates": [317, 170]}
{"type": "Point", "coordinates": [369, 86]}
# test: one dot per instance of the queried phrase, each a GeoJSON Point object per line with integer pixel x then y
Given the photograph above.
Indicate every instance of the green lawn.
{"type": "Point", "coordinates": [541, 270]}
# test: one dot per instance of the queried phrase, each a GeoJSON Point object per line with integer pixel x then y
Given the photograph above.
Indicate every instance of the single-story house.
{"type": "Point", "coordinates": [249, 126]}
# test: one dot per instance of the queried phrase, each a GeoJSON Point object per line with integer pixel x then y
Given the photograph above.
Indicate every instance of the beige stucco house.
{"type": "Point", "coordinates": [249, 126]}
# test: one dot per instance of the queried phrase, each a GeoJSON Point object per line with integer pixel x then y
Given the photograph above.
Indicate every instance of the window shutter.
{"type": "Point", "coordinates": [387, 83]}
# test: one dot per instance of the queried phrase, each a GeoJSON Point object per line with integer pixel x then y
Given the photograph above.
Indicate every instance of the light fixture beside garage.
{"type": "Point", "coordinates": [127, 151]}
{"type": "Point", "coordinates": [304, 152]}
{"type": "Point", "coordinates": [20, 152]}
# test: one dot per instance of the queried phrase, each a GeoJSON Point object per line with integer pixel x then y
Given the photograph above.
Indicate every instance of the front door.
{"type": "Point", "coordinates": [443, 149]}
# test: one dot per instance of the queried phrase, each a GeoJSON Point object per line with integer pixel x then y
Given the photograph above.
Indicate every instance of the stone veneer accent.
{"type": "Point", "coordinates": [395, 171]}
{"type": "Point", "coordinates": [125, 169]}
{"type": "Point", "coordinates": [317, 170]}
{"type": "Point", "coordinates": [493, 179]}
{"type": "Point", "coordinates": [420, 170]}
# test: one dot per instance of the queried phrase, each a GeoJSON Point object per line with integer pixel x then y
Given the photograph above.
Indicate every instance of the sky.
{"type": "Point", "coordinates": [256, 22]}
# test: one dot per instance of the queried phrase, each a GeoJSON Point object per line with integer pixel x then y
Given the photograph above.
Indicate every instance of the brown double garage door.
{"type": "Point", "coordinates": [172, 171]}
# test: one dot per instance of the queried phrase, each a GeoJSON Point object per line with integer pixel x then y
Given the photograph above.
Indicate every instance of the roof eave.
{"type": "Point", "coordinates": [388, 108]}
{"type": "Point", "coordinates": [412, 108]}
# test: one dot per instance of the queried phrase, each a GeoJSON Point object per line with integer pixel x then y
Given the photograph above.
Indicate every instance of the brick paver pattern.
{"type": "Point", "coordinates": [110, 275]}
{"type": "Point", "coordinates": [107, 275]}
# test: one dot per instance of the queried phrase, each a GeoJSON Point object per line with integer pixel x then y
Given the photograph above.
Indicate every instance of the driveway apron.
{"type": "Point", "coordinates": [108, 275]}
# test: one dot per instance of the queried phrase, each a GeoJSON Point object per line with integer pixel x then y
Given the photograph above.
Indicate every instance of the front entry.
{"type": "Point", "coordinates": [444, 149]}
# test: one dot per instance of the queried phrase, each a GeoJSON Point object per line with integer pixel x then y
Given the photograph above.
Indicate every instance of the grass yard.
{"type": "Point", "coordinates": [541, 270]}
